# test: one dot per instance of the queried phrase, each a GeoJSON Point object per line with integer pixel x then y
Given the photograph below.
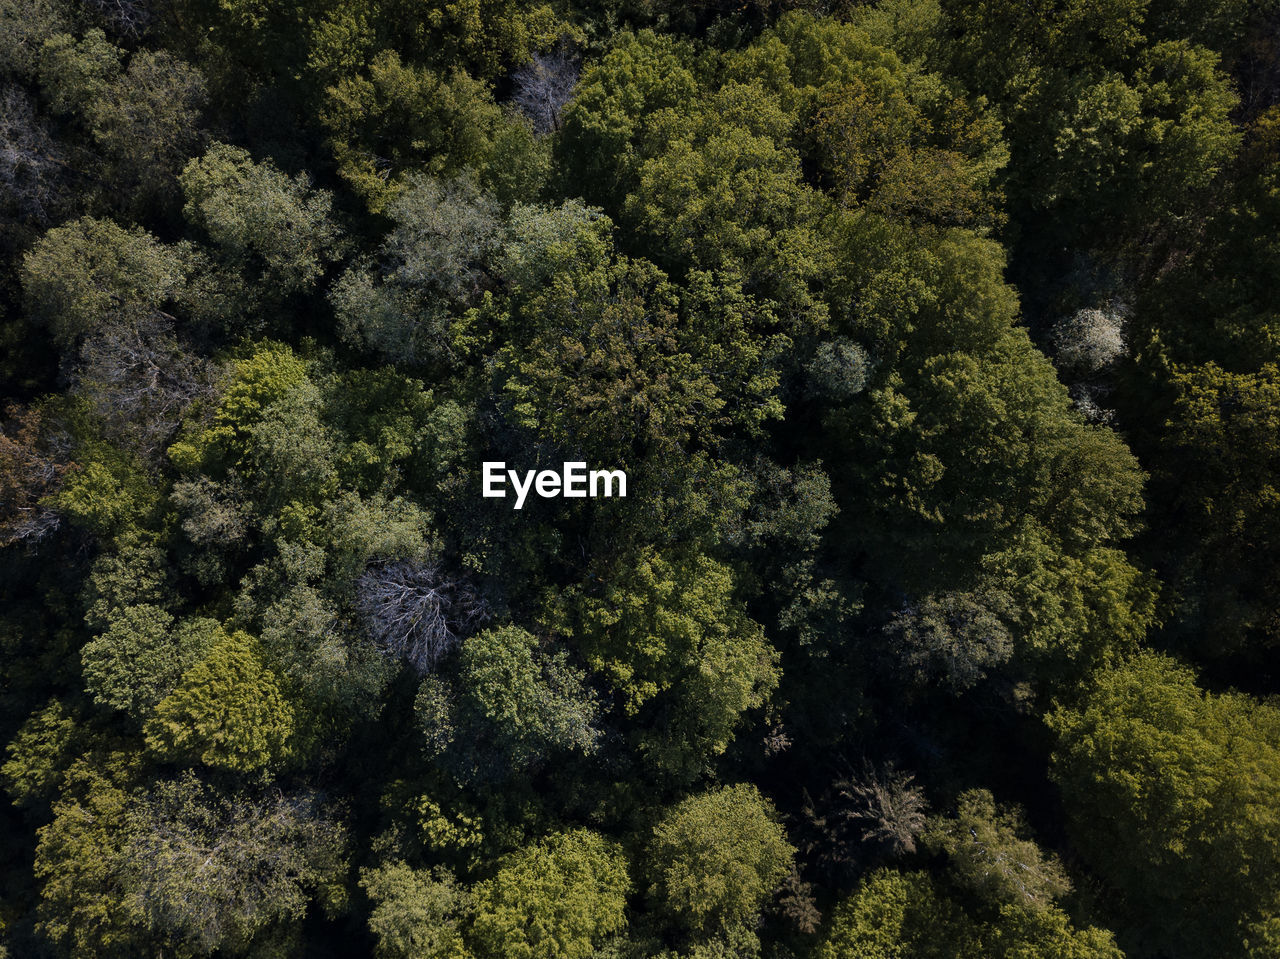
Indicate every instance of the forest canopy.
{"type": "Point", "coordinates": [938, 343]}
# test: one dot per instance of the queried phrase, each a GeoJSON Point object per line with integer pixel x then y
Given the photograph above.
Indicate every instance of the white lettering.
{"type": "Point", "coordinates": [492, 476]}
{"type": "Point", "coordinates": [548, 484]}
{"type": "Point", "coordinates": [573, 481]}
{"type": "Point", "coordinates": [609, 476]}
{"type": "Point", "coordinates": [521, 491]}
{"type": "Point", "coordinates": [575, 473]}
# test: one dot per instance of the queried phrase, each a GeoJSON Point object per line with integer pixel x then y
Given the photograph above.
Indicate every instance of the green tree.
{"type": "Point", "coordinates": [1222, 437]}
{"type": "Point", "coordinates": [559, 897]}
{"type": "Point", "coordinates": [111, 495]}
{"type": "Point", "coordinates": [24, 27]}
{"type": "Point", "coordinates": [959, 637]}
{"type": "Point", "coordinates": [91, 272]}
{"type": "Point", "coordinates": [143, 117]}
{"type": "Point", "coordinates": [666, 632]}
{"type": "Point", "coordinates": [80, 866]}
{"type": "Point", "coordinates": [401, 118]}
{"type": "Point", "coordinates": [211, 872]}
{"type": "Point", "coordinates": [140, 658]}
{"type": "Point", "coordinates": [227, 711]}
{"type": "Point", "coordinates": [446, 234]}
{"type": "Point", "coordinates": [894, 914]}
{"type": "Point", "coordinates": [643, 79]}
{"type": "Point", "coordinates": [990, 854]}
{"type": "Point", "coordinates": [40, 754]}
{"type": "Point", "coordinates": [266, 377]}
{"type": "Point", "coordinates": [961, 451]}
{"type": "Point", "coordinates": [714, 858]}
{"type": "Point", "coordinates": [417, 914]}
{"type": "Point", "coordinates": [266, 223]}
{"type": "Point", "coordinates": [882, 135]}
{"type": "Point", "coordinates": [1167, 791]}
{"type": "Point", "coordinates": [521, 706]}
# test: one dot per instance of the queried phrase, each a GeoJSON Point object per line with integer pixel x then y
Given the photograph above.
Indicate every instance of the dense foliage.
{"type": "Point", "coordinates": [938, 340]}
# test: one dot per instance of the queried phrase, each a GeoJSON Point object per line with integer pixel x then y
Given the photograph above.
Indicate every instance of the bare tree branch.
{"type": "Point", "coordinates": [543, 86]}
{"type": "Point", "coordinates": [32, 168]}
{"type": "Point", "coordinates": [415, 613]}
{"type": "Point", "coordinates": [127, 19]}
{"type": "Point", "coordinates": [30, 469]}
{"type": "Point", "coordinates": [140, 378]}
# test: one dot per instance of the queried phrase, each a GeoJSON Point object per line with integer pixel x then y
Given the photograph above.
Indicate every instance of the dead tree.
{"type": "Point", "coordinates": [127, 19]}
{"type": "Point", "coordinates": [543, 86]}
{"type": "Point", "coordinates": [140, 378]}
{"type": "Point", "coordinates": [32, 168]}
{"type": "Point", "coordinates": [416, 613]}
{"type": "Point", "coordinates": [31, 468]}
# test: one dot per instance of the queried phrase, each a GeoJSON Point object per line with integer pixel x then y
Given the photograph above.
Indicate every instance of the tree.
{"type": "Point", "coordinates": [613, 363]}
{"type": "Point", "coordinates": [956, 637]}
{"type": "Point", "coordinates": [1167, 792]}
{"type": "Point", "coordinates": [148, 123]}
{"type": "Point", "coordinates": [215, 519]}
{"type": "Point", "coordinates": [40, 755]}
{"type": "Point", "coordinates": [1212, 306]}
{"type": "Point", "coordinates": [931, 430]}
{"type": "Point", "coordinates": [227, 711]}
{"type": "Point", "coordinates": [894, 914]}
{"type": "Point", "coordinates": [80, 865]}
{"type": "Point", "coordinates": [880, 136]}
{"type": "Point", "coordinates": [24, 27]}
{"type": "Point", "coordinates": [212, 872]}
{"type": "Point", "coordinates": [135, 573]}
{"type": "Point", "coordinates": [1090, 339]}
{"type": "Point", "coordinates": [143, 117]}
{"type": "Point", "coordinates": [1221, 443]}
{"type": "Point", "coordinates": [982, 451]}
{"type": "Point", "coordinates": [265, 222]}
{"type": "Point", "coordinates": [840, 369]}
{"type": "Point", "coordinates": [715, 857]}
{"type": "Point", "coordinates": [417, 613]}
{"type": "Point", "coordinates": [110, 495]}
{"type": "Point", "coordinates": [140, 378]}
{"type": "Point", "coordinates": [446, 232]}
{"type": "Point", "coordinates": [400, 118]}
{"type": "Point", "coordinates": [641, 80]}
{"type": "Point", "coordinates": [90, 273]}
{"type": "Point", "coordinates": [990, 855]}
{"type": "Point", "coordinates": [437, 256]}
{"type": "Point", "coordinates": [1093, 95]}
{"type": "Point", "coordinates": [521, 704]}
{"type": "Point", "coordinates": [543, 87]}
{"type": "Point", "coordinates": [127, 19]}
{"type": "Point", "coordinates": [33, 168]}
{"type": "Point", "coordinates": [486, 39]}
{"type": "Point", "coordinates": [542, 241]}
{"type": "Point", "coordinates": [560, 897]}
{"type": "Point", "coordinates": [876, 813]}
{"type": "Point", "coordinates": [417, 914]}
{"type": "Point", "coordinates": [725, 194]}
{"type": "Point", "coordinates": [605, 373]}
{"type": "Point", "coordinates": [267, 377]}
{"type": "Point", "coordinates": [141, 657]}
{"type": "Point", "coordinates": [666, 629]}
{"type": "Point", "coordinates": [28, 473]}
